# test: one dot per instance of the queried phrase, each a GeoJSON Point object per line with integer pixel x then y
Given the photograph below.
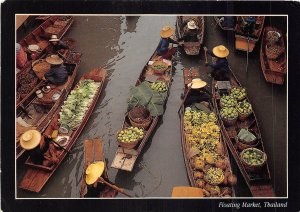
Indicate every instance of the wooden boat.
{"type": "Point", "coordinates": [259, 183]}
{"type": "Point", "coordinates": [93, 152]}
{"type": "Point", "coordinates": [36, 176]}
{"type": "Point", "coordinates": [40, 36]}
{"type": "Point", "coordinates": [191, 48]}
{"type": "Point", "coordinates": [42, 109]}
{"type": "Point", "coordinates": [274, 69]}
{"type": "Point", "coordinates": [189, 151]}
{"type": "Point", "coordinates": [244, 42]}
{"type": "Point", "coordinates": [125, 158]}
{"type": "Point", "coordinates": [217, 20]}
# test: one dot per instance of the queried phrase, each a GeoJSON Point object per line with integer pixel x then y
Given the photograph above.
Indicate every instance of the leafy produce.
{"type": "Point", "coordinates": [238, 93]}
{"type": "Point", "coordinates": [228, 101]}
{"type": "Point", "coordinates": [244, 107]}
{"type": "Point", "coordinates": [130, 134]}
{"type": "Point", "coordinates": [77, 103]}
{"type": "Point", "coordinates": [159, 67]}
{"type": "Point", "coordinates": [159, 86]}
{"type": "Point", "coordinates": [229, 113]}
{"type": "Point", "coordinates": [214, 176]}
{"type": "Point", "coordinates": [26, 79]}
{"type": "Point", "coordinates": [253, 156]}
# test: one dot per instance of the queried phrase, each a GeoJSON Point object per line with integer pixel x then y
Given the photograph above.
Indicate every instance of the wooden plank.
{"type": "Point", "coordinates": [124, 161]}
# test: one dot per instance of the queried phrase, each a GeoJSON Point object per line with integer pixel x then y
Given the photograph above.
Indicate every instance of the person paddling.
{"type": "Point", "coordinates": [220, 67]}
{"type": "Point", "coordinates": [58, 73]}
{"type": "Point", "coordinates": [198, 92]}
{"type": "Point", "coordinates": [190, 31]}
{"type": "Point", "coordinates": [163, 46]}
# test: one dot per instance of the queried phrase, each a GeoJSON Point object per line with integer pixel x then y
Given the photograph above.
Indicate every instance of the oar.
{"type": "Point", "coordinates": [186, 94]}
{"type": "Point", "coordinates": [114, 187]}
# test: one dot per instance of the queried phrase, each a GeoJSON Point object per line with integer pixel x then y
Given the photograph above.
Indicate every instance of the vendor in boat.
{"type": "Point", "coordinates": [190, 31]}
{"type": "Point", "coordinates": [58, 73]}
{"type": "Point", "coordinates": [96, 188]}
{"type": "Point", "coordinates": [197, 92]}
{"type": "Point", "coordinates": [227, 21]}
{"type": "Point", "coordinates": [57, 44]}
{"type": "Point", "coordinates": [163, 46]}
{"type": "Point", "coordinates": [220, 67]}
{"type": "Point", "coordinates": [42, 152]}
{"type": "Point", "coordinates": [248, 25]}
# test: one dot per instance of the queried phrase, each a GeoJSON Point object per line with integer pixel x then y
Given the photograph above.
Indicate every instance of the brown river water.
{"type": "Point", "coordinates": [123, 45]}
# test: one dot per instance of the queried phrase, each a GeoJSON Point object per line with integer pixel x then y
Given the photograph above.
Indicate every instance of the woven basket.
{"type": "Point", "coordinates": [229, 122]}
{"type": "Point", "coordinates": [145, 124]}
{"type": "Point", "coordinates": [159, 71]}
{"type": "Point", "coordinates": [240, 145]}
{"type": "Point", "coordinates": [273, 51]}
{"type": "Point", "coordinates": [138, 114]}
{"type": "Point", "coordinates": [131, 145]}
{"type": "Point", "coordinates": [243, 117]}
{"type": "Point", "coordinates": [239, 100]}
{"type": "Point", "coordinates": [40, 67]}
{"type": "Point", "coordinates": [253, 168]}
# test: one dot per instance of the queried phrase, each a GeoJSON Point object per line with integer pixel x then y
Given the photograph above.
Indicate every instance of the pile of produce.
{"type": "Point", "coordinates": [244, 107]}
{"type": "Point", "coordinates": [159, 66]}
{"type": "Point", "coordinates": [77, 103]}
{"type": "Point", "coordinates": [273, 51]}
{"type": "Point", "coordinates": [238, 93]}
{"type": "Point", "coordinates": [211, 169]}
{"type": "Point", "coordinates": [159, 86]}
{"type": "Point", "coordinates": [253, 156]}
{"type": "Point", "coordinates": [228, 101]}
{"type": "Point", "coordinates": [26, 79]}
{"type": "Point", "coordinates": [273, 36]}
{"type": "Point", "coordinates": [130, 135]}
{"type": "Point", "coordinates": [229, 113]}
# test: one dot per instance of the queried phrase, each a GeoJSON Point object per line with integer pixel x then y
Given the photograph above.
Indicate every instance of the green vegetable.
{"type": "Point", "coordinates": [238, 93]}
{"type": "Point", "coordinates": [244, 107]}
{"type": "Point", "coordinates": [159, 86]}
{"type": "Point", "coordinates": [229, 113]}
{"type": "Point", "coordinates": [130, 135]}
{"type": "Point", "coordinates": [228, 101]}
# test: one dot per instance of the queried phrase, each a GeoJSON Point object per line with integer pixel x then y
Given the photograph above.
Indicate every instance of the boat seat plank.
{"type": "Point", "coordinates": [124, 161]}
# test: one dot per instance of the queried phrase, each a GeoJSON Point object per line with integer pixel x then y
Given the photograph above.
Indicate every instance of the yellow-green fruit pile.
{"type": "Point", "coordinates": [159, 86]}
{"type": "Point", "coordinates": [238, 93]}
{"type": "Point", "coordinates": [229, 113]}
{"type": "Point", "coordinates": [198, 117]}
{"type": "Point", "coordinates": [244, 107]}
{"type": "Point", "coordinates": [130, 134]}
{"type": "Point", "coordinates": [228, 101]}
{"type": "Point", "coordinates": [253, 157]}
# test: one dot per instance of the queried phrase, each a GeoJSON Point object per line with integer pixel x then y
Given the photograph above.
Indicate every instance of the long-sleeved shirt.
{"type": "Point", "coordinates": [164, 45]}
{"type": "Point", "coordinates": [57, 75]}
{"type": "Point", "coordinates": [221, 63]}
{"type": "Point", "coordinates": [198, 95]}
{"type": "Point", "coordinates": [60, 45]}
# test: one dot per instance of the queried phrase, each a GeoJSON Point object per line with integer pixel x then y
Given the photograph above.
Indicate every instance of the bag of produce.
{"type": "Point", "coordinates": [246, 136]}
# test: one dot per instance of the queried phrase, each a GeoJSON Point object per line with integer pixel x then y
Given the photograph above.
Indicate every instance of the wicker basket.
{"type": "Point", "coordinates": [159, 71]}
{"type": "Point", "coordinates": [273, 51]}
{"type": "Point", "coordinates": [243, 117]}
{"type": "Point", "coordinates": [229, 122]}
{"type": "Point", "coordinates": [138, 114]}
{"type": "Point", "coordinates": [242, 99]}
{"type": "Point", "coordinates": [40, 67]}
{"type": "Point", "coordinates": [253, 168]}
{"type": "Point", "coordinates": [130, 145]}
{"type": "Point", "coordinates": [145, 124]}
{"type": "Point", "coordinates": [240, 145]}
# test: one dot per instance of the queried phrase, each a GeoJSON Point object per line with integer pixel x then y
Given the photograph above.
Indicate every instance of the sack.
{"type": "Point", "coordinates": [246, 136]}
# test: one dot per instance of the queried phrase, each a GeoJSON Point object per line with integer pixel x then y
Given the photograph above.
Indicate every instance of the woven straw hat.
{"type": "Point", "coordinates": [166, 32]}
{"type": "Point", "coordinates": [30, 139]}
{"type": "Point", "coordinates": [93, 172]}
{"type": "Point", "coordinates": [54, 38]}
{"type": "Point", "coordinates": [54, 59]}
{"type": "Point", "coordinates": [221, 51]}
{"type": "Point", "coordinates": [191, 24]}
{"type": "Point", "coordinates": [197, 83]}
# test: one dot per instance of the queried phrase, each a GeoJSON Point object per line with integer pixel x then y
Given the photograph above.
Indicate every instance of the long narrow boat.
{"type": "Point", "coordinates": [58, 25]}
{"type": "Point", "coordinates": [195, 145]}
{"type": "Point", "coordinates": [191, 48]}
{"type": "Point", "coordinates": [93, 152]}
{"type": "Point", "coordinates": [41, 110]}
{"type": "Point", "coordinates": [258, 182]}
{"type": "Point", "coordinates": [217, 20]}
{"type": "Point", "coordinates": [36, 176]}
{"type": "Point", "coordinates": [244, 42]}
{"type": "Point", "coordinates": [274, 68]}
{"type": "Point", "coordinates": [125, 158]}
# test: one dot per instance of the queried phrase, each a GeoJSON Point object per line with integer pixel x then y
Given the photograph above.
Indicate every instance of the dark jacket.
{"type": "Point", "coordinates": [197, 96]}
{"type": "Point", "coordinates": [164, 45]}
{"type": "Point", "coordinates": [37, 155]}
{"type": "Point", "coordinates": [220, 65]}
{"type": "Point", "coordinates": [57, 75]}
{"type": "Point", "coordinates": [60, 45]}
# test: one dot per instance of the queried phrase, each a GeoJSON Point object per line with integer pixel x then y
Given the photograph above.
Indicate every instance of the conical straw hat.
{"type": "Point", "coordinates": [93, 172]}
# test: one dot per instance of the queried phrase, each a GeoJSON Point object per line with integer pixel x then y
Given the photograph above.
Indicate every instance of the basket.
{"type": "Point", "coordinates": [40, 67]}
{"type": "Point", "coordinates": [229, 122]}
{"type": "Point", "coordinates": [243, 117]}
{"type": "Point", "coordinates": [138, 114]}
{"type": "Point", "coordinates": [253, 168]}
{"type": "Point", "coordinates": [240, 145]}
{"type": "Point", "coordinates": [144, 124]}
{"type": "Point", "coordinates": [131, 145]}
{"type": "Point", "coordinates": [159, 71]}
{"type": "Point", "coordinates": [242, 99]}
{"type": "Point", "coordinates": [273, 51]}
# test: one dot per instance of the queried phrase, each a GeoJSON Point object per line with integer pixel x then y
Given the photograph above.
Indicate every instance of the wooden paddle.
{"type": "Point", "coordinates": [114, 187]}
{"type": "Point", "coordinates": [186, 94]}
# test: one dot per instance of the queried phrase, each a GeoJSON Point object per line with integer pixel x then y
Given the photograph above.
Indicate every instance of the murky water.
{"type": "Point", "coordinates": [123, 45]}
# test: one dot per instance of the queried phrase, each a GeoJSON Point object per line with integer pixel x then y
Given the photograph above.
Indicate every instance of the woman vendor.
{"type": "Point", "coordinates": [163, 46]}
{"type": "Point", "coordinates": [190, 31]}
{"type": "Point", "coordinates": [96, 188]}
{"type": "Point", "coordinates": [57, 44]}
{"type": "Point", "coordinates": [42, 152]}
{"type": "Point", "coordinates": [220, 67]}
{"type": "Point", "coordinates": [58, 73]}
{"type": "Point", "coordinates": [198, 92]}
